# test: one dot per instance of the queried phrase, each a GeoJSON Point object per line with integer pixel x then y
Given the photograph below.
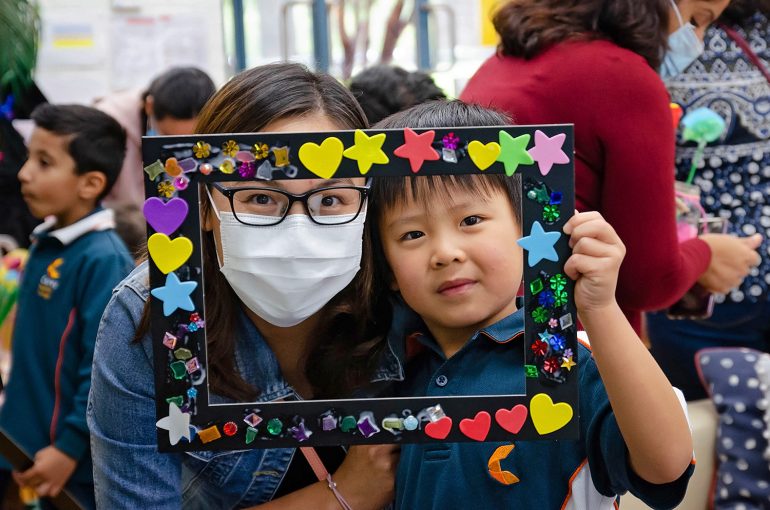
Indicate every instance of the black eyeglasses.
{"type": "Point", "coordinates": [265, 207]}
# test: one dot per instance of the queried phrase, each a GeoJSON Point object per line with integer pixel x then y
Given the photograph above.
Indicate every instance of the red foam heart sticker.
{"type": "Point", "coordinates": [512, 420]}
{"type": "Point", "coordinates": [478, 427]}
{"type": "Point", "coordinates": [439, 429]}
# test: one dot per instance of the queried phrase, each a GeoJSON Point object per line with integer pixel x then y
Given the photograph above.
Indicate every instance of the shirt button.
{"type": "Point", "coordinates": [442, 380]}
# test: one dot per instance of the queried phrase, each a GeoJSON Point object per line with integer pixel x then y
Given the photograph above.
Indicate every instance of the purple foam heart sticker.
{"type": "Point", "coordinates": [165, 217]}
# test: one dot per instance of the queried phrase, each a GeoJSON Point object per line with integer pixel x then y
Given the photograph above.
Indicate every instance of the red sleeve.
{"type": "Point", "coordinates": [633, 125]}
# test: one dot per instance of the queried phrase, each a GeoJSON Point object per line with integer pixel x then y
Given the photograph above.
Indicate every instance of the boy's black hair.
{"type": "Point", "coordinates": [383, 90]}
{"type": "Point", "coordinates": [387, 192]}
{"type": "Point", "coordinates": [97, 142]}
{"type": "Point", "coordinates": [390, 191]}
{"type": "Point", "coordinates": [180, 93]}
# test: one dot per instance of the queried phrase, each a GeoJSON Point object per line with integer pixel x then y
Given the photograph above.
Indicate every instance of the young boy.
{"type": "Point", "coordinates": [75, 155]}
{"type": "Point", "coordinates": [450, 244]}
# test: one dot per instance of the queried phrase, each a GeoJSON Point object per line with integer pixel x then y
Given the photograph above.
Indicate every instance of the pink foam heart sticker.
{"type": "Point", "coordinates": [478, 427]}
{"type": "Point", "coordinates": [512, 420]}
{"type": "Point", "coordinates": [165, 217]}
{"type": "Point", "coordinates": [439, 429]}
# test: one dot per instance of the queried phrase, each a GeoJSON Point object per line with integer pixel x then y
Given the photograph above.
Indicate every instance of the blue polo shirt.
{"type": "Point", "coordinates": [65, 287]}
{"type": "Point", "coordinates": [585, 474]}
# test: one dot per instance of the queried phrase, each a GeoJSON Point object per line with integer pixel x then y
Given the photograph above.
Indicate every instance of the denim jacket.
{"type": "Point", "coordinates": [129, 472]}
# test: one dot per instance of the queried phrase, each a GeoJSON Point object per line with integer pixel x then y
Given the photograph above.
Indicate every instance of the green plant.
{"type": "Point", "coordinates": [19, 39]}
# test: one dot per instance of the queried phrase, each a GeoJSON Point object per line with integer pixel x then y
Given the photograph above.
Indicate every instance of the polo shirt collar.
{"type": "Point", "coordinates": [412, 328]}
{"type": "Point", "coordinates": [99, 219]}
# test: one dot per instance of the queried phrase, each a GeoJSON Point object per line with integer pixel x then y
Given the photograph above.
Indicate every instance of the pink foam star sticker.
{"type": "Point", "coordinates": [417, 148]}
{"type": "Point", "coordinates": [547, 151]}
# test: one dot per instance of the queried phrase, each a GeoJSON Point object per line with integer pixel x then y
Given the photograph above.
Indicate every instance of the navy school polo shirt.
{"type": "Point", "coordinates": [587, 473]}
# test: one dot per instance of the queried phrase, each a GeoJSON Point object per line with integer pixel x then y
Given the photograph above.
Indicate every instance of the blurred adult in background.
{"type": "Point", "coordinates": [595, 63]}
{"type": "Point", "coordinates": [734, 181]}
{"type": "Point", "coordinates": [169, 106]}
{"type": "Point", "coordinates": [383, 90]}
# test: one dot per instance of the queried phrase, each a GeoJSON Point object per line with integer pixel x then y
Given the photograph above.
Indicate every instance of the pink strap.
{"type": "Point", "coordinates": [744, 45]}
{"type": "Point", "coordinates": [322, 474]}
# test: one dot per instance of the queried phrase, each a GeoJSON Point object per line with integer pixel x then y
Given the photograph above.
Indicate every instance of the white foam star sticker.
{"type": "Point", "coordinates": [177, 423]}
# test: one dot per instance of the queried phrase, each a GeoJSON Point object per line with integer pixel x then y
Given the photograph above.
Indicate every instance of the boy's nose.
{"type": "Point", "coordinates": [446, 253]}
{"type": "Point", "coordinates": [23, 174]}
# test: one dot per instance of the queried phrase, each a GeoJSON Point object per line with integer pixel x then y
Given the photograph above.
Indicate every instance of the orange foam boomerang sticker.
{"type": "Point", "coordinates": [496, 471]}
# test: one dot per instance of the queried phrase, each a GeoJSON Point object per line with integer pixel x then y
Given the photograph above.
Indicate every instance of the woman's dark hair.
{"type": "Point", "coordinates": [387, 192]}
{"type": "Point", "coordinates": [528, 27]}
{"type": "Point", "coordinates": [95, 141]}
{"type": "Point", "coordinates": [739, 12]}
{"type": "Point", "coordinates": [383, 90]}
{"type": "Point", "coordinates": [339, 360]}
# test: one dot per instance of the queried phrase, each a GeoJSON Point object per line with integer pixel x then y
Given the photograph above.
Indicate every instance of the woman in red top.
{"type": "Point", "coordinates": [594, 63]}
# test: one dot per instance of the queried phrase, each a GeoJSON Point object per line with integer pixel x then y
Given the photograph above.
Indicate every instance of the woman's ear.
{"type": "Point", "coordinates": [149, 106]}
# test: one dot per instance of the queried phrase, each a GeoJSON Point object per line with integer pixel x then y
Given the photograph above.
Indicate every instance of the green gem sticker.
{"type": "Point", "coordinates": [551, 213]}
{"type": "Point", "coordinates": [183, 354]}
{"type": "Point", "coordinates": [251, 435]}
{"type": "Point", "coordinates": [560, 298]}
{"type": "Point", "coordinates": [540, 315]}
{"type": "Point", "coordinates": [274, 426]}
{"type": "Point", "coordinates": [531, 371]}
{"type": "Point", "coordinates": [179, 369]}
{"type": "Point", "coordinates": [177, 401]}
{"type": "Point", "coordinates": [536, 286]}
{"type": "Point", "coordinates": [348, 424]}
{"type": "Point", "coordinates": [558, 282]}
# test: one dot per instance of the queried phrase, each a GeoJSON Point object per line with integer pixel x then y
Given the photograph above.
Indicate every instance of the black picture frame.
{"type": "Point", "coordinates": [175, 166]}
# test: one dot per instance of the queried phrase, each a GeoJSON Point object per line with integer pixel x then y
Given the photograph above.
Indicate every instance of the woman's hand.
{"type": "Point", "coordinates": [732, 258]}
{"type": "Point", "coordinates": [367, 476]}
{"type": "Point", "coordinates": [597, 252]}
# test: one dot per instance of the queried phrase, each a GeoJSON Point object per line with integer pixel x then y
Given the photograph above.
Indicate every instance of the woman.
{"type": "Point", "coordinates": [728, 79]}
{"type": "Point", "coordinates": [594, 63]}
{"type": "Point", "coordinates": [254, 353]}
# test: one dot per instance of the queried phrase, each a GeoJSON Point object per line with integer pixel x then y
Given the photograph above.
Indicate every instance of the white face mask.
{"type": "Point", "coordinates": [684, 48]}
{"type": "Point", "coordinates": [287, 272]}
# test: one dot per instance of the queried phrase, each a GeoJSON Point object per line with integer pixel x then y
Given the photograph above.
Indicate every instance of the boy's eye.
{"type": "Point", "coordinates": [471, 220]}
{"type": "Point", "coordinates": [414, 234]}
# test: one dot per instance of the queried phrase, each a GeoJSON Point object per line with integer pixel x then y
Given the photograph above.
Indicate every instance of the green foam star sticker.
{"type": "Point", "coordinates": [513, 152]}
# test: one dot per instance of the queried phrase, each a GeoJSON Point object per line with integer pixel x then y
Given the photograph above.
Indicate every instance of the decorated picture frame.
{"type": "Point", "coordinates": [175, 167]}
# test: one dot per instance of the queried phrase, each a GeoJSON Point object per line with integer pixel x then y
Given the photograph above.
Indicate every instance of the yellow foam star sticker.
{"type": "Point", "coordinates": [496, 471]}
{"type": "Point", "coordinates": [367, 150]}
{"type": "Point", "coordinates": [568, 363]}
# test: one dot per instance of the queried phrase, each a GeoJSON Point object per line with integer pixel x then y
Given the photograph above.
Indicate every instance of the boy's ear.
{"type": "Point", "coordinates": [92, 185]}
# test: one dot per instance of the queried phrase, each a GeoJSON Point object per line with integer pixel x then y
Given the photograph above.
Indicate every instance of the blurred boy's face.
{"type": "Point", "coordinates": [49, 183]}
{"type": "Point", "coordinates": [456, 264]}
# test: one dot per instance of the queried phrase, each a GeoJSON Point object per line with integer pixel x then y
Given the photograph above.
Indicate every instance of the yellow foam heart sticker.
{"type": "Point", "coordinates": [168, 254]}
{"type": "Point", "coordinates": [483, 155]}
{"type": "Point", "coordinates": [547, 416]}
{"type": "Point", "coordinates": [323, 160]}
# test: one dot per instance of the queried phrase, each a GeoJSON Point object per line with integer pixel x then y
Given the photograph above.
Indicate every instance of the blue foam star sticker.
{"type": "Point", "coordinates": [175, 294]}
{"type": "Point", "coordinates": [177, 423]}
{"type": "Point", "coordinates": [540, 244]}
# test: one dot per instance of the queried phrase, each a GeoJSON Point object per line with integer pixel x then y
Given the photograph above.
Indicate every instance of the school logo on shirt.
{"type": "Point", "coordinates": [50, 280]}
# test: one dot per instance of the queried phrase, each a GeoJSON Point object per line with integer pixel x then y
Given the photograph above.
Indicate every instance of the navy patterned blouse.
{"type": "Point", "coordinates": [734, 176]}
